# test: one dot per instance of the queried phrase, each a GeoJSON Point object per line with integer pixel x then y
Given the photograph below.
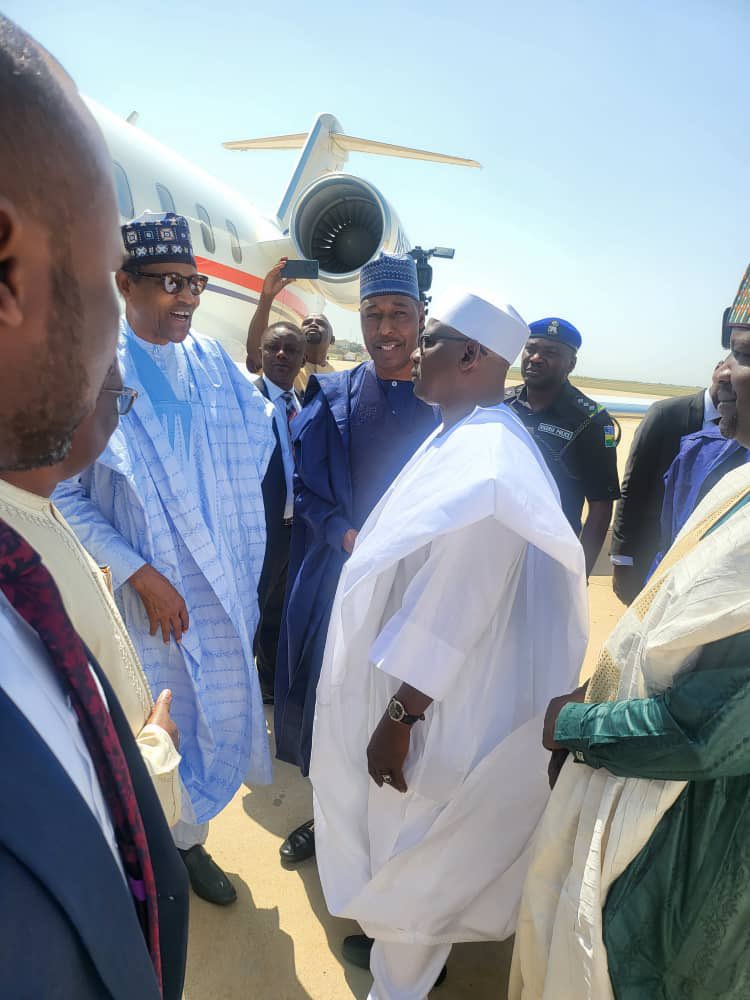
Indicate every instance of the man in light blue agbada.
{"type": "Point", "coordinates": [174, 508]}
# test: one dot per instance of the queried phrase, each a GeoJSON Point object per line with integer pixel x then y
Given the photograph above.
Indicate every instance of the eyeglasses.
{"type": "Point", "coordinates": [173, 283]}
{"type": "Point", "coordinates": [125, 399]}
{"type": "Point", "coordinates": [425, 340]}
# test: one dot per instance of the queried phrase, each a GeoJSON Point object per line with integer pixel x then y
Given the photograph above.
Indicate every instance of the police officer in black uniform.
{"type": "Point", "coordinates": [575, 435]}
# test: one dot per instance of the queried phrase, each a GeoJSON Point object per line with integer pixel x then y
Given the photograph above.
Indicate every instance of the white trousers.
{"type": "Point", "coordinates": [405, 971]}
{"type": "Point", "coordinates": [187, 835]}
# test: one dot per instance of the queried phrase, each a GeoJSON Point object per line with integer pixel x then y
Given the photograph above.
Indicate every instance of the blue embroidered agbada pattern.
{"type": "Point", "coordinates": [179, 487]}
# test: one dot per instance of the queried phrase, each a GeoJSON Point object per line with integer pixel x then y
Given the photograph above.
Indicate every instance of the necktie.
{"type": "Point", "coordinates": [291, 410]}
{"type": "Point", "coordinates": [30, 589]}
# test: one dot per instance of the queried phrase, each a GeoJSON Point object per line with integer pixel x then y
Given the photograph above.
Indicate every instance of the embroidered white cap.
{"type": "Point", "coordinates": [495, 325]}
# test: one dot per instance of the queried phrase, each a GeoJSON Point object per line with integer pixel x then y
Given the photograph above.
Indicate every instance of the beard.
{"type": "Point", "coordinates": [41, 433]}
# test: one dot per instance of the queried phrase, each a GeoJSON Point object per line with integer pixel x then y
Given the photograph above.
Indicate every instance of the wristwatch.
{"type": "Point", "coordinates": [397, 712]}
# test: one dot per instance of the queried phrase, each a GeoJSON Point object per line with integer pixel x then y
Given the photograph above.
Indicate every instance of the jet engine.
{"type": "Point", "coordinates": [342, 222]}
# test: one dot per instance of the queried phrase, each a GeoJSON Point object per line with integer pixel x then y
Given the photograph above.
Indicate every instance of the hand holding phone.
{"type": "Point", "coordinates": [300, 269]}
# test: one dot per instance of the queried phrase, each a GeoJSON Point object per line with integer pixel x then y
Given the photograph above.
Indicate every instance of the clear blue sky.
{"type": "Point", "coordinates": [613, 138]}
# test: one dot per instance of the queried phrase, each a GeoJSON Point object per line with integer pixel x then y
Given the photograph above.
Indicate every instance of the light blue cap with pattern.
{"type": "Point", "coordinates": [389, 274]}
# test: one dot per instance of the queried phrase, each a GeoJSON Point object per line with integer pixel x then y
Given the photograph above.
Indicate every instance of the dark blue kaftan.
{"type": "Point", "coordinates": [353, 437]}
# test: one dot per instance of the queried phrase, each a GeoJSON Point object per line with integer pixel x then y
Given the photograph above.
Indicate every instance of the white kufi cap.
{"type": "Point", "coordinates": [495, 325]}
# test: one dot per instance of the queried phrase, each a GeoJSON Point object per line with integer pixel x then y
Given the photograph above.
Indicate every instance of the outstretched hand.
{"type": "Point", "coordinates": [273, 282]}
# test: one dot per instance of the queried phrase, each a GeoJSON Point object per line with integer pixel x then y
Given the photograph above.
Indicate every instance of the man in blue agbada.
{"type": "Point", "coordinates": [174, 508]}
{"type": "Point", "coordinates": [704, 458]}
{"type": "Point", "coordinates": [355, 433]}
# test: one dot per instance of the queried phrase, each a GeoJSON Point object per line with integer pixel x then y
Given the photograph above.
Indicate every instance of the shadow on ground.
{"type": "Point", "coordinates": [280, 808]}
{"type": "Point", "coordinates": [476, 971]}
{"type": "Point", "coordinates": [246, 954]}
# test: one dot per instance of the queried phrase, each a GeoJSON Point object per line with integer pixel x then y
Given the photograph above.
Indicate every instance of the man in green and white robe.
{"type": "Point", "coordinates": [639, 888]}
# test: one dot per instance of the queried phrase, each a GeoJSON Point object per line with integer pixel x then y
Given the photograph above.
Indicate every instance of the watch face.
{"type": "Point", "coordinates": [396, 710]}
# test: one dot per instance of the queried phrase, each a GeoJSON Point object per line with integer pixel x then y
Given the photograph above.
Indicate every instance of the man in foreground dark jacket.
{"type": "Point", "coordinates": [94, 896]}
{"type": "Point", "coordinates": [636, 536]}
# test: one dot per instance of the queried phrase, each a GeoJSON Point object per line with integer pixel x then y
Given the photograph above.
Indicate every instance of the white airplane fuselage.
{"type": "Point", "coordinates": [234, 244]}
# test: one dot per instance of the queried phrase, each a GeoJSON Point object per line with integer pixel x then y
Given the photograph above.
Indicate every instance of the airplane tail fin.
{"type": "Point", "coordinates": [325, 149]}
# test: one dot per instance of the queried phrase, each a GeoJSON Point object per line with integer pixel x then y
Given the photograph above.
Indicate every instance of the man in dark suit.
{"type": "Point", "coordinates": [282, 353]}
{"type": "Point", "coordinates": [61, 886]}
{"type": "Point", "coordinates": [636, 536]}
{"type": "Point", "coordinates": [94, 896]}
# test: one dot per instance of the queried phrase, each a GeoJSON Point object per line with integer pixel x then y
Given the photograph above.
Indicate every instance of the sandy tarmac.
{"type": "Point", "coordinates": [278, 942]}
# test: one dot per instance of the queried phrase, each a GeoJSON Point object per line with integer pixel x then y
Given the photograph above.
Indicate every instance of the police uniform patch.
{"type": "Point", "coordinates": [568, 432]}
{"type": "Point", "coordinates": [560, 432]}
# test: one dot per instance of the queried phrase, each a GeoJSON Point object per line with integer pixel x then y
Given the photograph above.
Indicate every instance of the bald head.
{"type": "Point", "coordinates": [58, 246]}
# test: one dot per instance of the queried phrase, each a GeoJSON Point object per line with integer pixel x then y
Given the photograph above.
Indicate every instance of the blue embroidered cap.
{"type": "Point", "coordinates": [553, 328]}
{"type": "Point", "coordinates": [389, 274]}
{"type": "Point", "coordinates": [162, 238]}
{"type": "Point", "coordinates": [740, 314]}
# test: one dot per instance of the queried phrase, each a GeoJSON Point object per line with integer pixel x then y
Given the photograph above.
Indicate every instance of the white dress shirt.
{"type": "Point", "coordinates": [710, 413]}
{"type": "Point", "coordinates": [28, 679]}
{"type": "Point", "coordinates": [282, 425]}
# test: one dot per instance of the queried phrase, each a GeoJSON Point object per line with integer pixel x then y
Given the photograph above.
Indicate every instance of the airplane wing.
{"type": "Point", "coordinates": [352, 144]}
{"type": "Point", "coordinates": [325, 149]}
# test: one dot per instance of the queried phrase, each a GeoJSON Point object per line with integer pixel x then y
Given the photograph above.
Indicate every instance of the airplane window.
{"type": "Point", "coordinates": [234, 238]}
{"type": "Point", "coordinates": [124, 196]}
{"type": "Point", "coordinates": [206, 229]}
{"type": "Point", "coordinates": [165, 198]}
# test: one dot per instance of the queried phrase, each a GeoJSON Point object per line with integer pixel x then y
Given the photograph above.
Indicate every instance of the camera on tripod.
{"type": "Point", "coordinates": [424, 268]}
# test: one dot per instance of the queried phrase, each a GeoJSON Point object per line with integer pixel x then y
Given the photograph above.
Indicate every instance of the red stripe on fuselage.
{"type": "Point", "coordinates": [214, 269]}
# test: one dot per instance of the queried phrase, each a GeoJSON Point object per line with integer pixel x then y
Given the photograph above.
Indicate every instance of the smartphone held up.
{"type": "Point", "coordinates": [300, 269]}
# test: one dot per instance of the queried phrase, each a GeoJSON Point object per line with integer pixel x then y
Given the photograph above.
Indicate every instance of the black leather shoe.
{"type": "Point", "coordinates": [299, 845]}
{"type": "Point", "coordinates": [206, 878]}
{"type": "Point", "coordinates": [356, 950]}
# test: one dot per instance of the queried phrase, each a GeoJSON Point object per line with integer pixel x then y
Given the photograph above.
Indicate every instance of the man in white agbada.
{"type": "Point", "coordinates": [174, 507]}
{"type": "Point", "coordinates": [462, 608]}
